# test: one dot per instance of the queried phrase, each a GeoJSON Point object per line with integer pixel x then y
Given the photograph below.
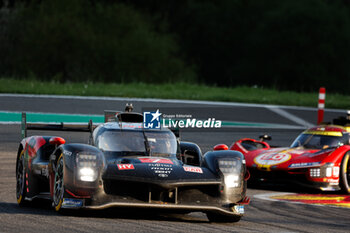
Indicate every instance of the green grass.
{"type": "Point", "coordinates": [174, 91]}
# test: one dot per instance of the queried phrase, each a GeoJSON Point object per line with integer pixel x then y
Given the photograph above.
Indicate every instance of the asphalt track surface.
{"type": "Point", "coordinates": [261, 215]}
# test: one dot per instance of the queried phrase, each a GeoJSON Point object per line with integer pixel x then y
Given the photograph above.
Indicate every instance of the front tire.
{"type": "Point", "coordinates": [213, 217]}
{"type": "Point", "coordinates": [58, 190]}
{"type": "Point", "coordinates": [21, 180]}
{"type": "Point", "coordinates": [345, 174]}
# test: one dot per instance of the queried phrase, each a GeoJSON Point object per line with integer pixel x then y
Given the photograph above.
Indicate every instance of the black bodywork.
{"type": "Point", "coordinates": [92, 177]}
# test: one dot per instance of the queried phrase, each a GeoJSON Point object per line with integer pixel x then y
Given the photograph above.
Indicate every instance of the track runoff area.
{"type": "Point", "coordinates": [331, 199]}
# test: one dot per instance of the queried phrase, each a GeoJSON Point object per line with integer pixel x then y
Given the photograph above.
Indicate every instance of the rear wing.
{"type": "Point", "coordinates": [109, 116]}
{"type": "Point", "coordinates": [25, 126]}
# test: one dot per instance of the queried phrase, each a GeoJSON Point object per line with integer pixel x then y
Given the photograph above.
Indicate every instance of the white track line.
{"type": "Point", "coordinates": [201, 102]}
{"type": "Point", "coordinates": [275, 108]}
{"type": "Point", "coordinates": [290, 116]}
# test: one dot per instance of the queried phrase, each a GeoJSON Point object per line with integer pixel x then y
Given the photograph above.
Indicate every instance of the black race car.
{"type": "Point", "coordinates": [126, 165]}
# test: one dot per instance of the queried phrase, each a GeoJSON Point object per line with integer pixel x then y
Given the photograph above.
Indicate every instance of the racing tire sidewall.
{"type": "Point", "coordinates": [57, 200]}
{"type": "Point", "coordinates": [21, 174]}
{"type": "Point", "coordinates": [345, 173]}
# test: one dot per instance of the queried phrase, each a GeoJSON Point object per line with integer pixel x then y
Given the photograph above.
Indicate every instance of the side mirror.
{"type": "Point", "coordinates": [57, 141]}
{"type": "Point", "coordinates": [265, 137]}
{"type": "Point", "coordinates": [220, 147]}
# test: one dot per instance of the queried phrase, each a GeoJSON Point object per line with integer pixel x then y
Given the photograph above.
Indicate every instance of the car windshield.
{"type": "Point", "coordinates": [161, 143]}
{"type": "Point", "coordinates": [315, 141]}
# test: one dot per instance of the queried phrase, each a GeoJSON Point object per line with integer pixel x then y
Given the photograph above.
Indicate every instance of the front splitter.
{"type": "Point", "coordinates": [190, 208]}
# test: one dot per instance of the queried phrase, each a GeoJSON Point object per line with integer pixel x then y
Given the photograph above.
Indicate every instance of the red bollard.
{"type": "Point", "coordinates": [321, 103]}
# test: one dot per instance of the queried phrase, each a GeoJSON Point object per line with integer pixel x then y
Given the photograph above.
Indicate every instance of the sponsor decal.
{"type": "Point", "coordinates": [271, 158]}
{"type": "Point", "coordinates": [333, 181]}
{"type": "Point", "coordinates": [162, 170]}
{"type": "Point", "coordinates": [155, 160]}
{"type": "Point", "coordinates": [124, 125]}
{"type": "Point", "coordinates": [193, 169]}
{"type": "Point", "coordinates": [125, 166]}
{"type": "Point", "coordinates": [68, 153]}
{"type": "Point", "coordinates": [72, 203]}
{"type": "Point", "coordinates": [239, 209]}
{"type": "Point", "coordinates": [300, 165]}
{"type": "Point", "coordinates": [131, 125]}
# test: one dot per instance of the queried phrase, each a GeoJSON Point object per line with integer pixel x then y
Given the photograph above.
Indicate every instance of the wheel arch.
{"type": "Point", "coordinates": [20, 149]}
{"type": "Point", "coordinates": [190, 153]}
{"type": "Point", "coordinates": [69, 154]}
{"type": "Point", "coordinates": [344, 176]}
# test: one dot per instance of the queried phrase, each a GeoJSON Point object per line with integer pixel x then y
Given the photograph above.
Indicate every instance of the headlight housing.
{"type": "Point", "coordinates": [326, 171]}
{"type": "Point", "coordinates": [87, 167]}
{"type": "Point", "coordinates": [231, 171]}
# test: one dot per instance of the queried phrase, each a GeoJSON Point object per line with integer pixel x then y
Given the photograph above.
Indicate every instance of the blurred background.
{"type": "Point", "coordinates": [295, 45]}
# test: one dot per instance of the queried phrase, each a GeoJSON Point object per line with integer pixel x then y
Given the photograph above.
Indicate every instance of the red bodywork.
{"type": "Point", "coordinates": [31, 146]}
{"type": "Point", "coordinates": [296, 163]}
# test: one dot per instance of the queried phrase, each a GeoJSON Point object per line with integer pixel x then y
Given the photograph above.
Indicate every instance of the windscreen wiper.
{"type": "Point", "coordinates": [148, 148]}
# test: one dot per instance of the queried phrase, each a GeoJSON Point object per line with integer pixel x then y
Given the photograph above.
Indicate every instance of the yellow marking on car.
{"type": "Point", "coordinates": [325, 133]}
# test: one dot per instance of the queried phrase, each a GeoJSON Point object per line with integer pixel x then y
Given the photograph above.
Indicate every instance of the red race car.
{"type": "Point", "coordinates": [318, 158]}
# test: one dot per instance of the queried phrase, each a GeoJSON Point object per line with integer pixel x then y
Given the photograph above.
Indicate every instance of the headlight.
{"type": "Point", "coordinates": [329, 171]}
{"type": "Point", "coordinates": [87, 167]}
{"type": "Point", "coordinates": [231, 169]}
{"type": "Point", "coordinates": [315, 172]}
{"type": "Point", "coordinates": [87, 174]}
{"type": "Point", "coordinates": [228, 166]}
{"type": "Point", "coordinates": [86, 160]}
{"type": "Point", "coordinates": [232, 181]}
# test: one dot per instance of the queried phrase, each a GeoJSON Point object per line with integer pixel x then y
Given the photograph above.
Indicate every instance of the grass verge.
{"type": "Point", "coordinates": [174, 91]}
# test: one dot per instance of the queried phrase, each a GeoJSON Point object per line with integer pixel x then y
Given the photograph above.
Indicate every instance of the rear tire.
{"type": "Point", "coordinates": [21, 180]}
{"type": "Point", "coordinates": [58, 189]}
{"type": "Point", "coordinates": [213, 217]}
{"type": "Point", "coordinates": [345, 173]}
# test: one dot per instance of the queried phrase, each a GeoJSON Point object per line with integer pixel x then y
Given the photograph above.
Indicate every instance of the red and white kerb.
{"type": "Point", "coordinates": [321, 104]}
